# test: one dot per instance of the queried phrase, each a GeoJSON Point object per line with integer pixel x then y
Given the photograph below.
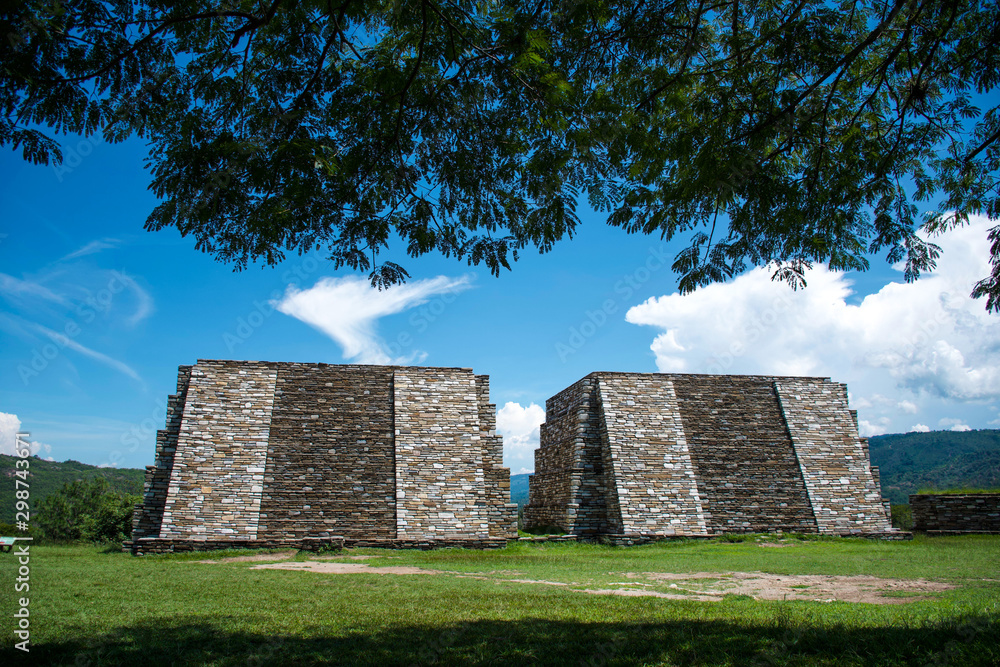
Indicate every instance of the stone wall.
{"type": "Point", "coordinates": [743, 455]}
{"type": "Point", "coordinates": [330, 464]}
{"type": "Point", "coordinates": [218, 473]}
{"type": "Point", "coordinates": [568, 487]}
{"type": "Point", "coordinates": [835, 463]}
{"type": "Point", "coordinates": [280, 454]}
{"type": "Point", "coordinates": [651, 485]}
{"type": "Point", "coordinates": [956, 513]}
{"type": "Point", "coordinates": [440, 481]}
{"type": "Point", "coordinates": [502, 513]}
{"type": "Point", "coordinates": [656, 455]}
{"type": "Point", "coordinates": [148, 516]}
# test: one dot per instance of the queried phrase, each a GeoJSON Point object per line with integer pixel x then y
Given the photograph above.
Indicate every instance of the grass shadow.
{"type": "Point", "coordinates": [974, 640]}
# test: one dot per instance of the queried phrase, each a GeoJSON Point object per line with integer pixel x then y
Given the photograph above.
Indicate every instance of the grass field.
{"type": "Point", "coordinates": [521, 605]}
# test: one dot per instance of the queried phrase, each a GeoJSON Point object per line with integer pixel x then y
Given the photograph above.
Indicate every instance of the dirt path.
{"type": "Point", "coordinates": [818, 587]}
{"type": "Point", "coordinates": [256, 558]}
{"type": "Point", "coordinates": [701, 586]}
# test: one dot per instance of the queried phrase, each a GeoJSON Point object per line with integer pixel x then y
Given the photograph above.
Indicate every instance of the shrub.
{"type": "Point", "coordinates": [902, 517]}
{"type": "Point", "coordinates": [86, 510]}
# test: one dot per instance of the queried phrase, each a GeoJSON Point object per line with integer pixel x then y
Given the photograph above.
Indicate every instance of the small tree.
{"type": "Point", "coordinates": [89, 510]}
{"type": "Point", "coordinates": [111, 520]}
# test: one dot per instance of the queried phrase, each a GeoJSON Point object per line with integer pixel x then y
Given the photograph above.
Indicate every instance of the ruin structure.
{"type": "Point", "coordinates": [955, 513]}
{"type": "Point", "coordinates": [634, 456]}
{"type": "Point", "coordinates": [259, 454]}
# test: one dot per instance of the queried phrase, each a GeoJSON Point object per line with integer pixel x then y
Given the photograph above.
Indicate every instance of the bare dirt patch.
{"type": "Point", "coordinates": [537, 581]}
{"type": "Point", "coordinates": [256, 558]}
{"type": "Point", "coordinates": [702, 586]}
{"type": "Point", "coordinates": [350, 557]}
{"type": "Point", "coordinates": [328, 567]}
{"type": "Point", "coordinates": [817, 587]}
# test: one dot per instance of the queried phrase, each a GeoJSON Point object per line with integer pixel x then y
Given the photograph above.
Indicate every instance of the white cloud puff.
{"type": "Point", "coordinates": [920, 428]}
{"type": "Point", "coordinates": [10, 426]}
{"type": "Point", "coordinates": [954, 424]}
{"type": "Point", "coordinates": [921, 339]}
{"type": "Point", "coordinates": [347, 310]}
{"type": "Point", "coordinates": [867, 429]}
{"type": "Point", "coordinates": [518, 425]}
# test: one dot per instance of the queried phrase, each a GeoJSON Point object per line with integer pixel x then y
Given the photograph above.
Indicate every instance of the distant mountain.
{"type": "Point", "coordinates": [939, 460]}
{"type": "Point", "coordinates": [45, 477]}
{"type": "Point", "coordinates": [519, 489]}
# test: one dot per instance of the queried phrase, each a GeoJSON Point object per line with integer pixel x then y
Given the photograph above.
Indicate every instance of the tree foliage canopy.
{"type": "Point", "coordinates": [780, 133]}
{"type": "Point", "coordinates": [86, 510]}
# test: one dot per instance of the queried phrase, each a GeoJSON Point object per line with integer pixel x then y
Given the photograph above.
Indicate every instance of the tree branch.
{"type": "Point", "coordinates": [160, 28]}
{"type": "Point", "coordinates": [989, 140]}
{"type": "Point", "coordinates": [845, 60]}
{"type": "Point", "coordinates": [255, 23]}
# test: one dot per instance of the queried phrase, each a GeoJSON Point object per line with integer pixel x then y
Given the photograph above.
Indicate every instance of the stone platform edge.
{"type": "Point", "coordinates": [163, 546]}
{"type": "Point", "coordinates": [633, 539]}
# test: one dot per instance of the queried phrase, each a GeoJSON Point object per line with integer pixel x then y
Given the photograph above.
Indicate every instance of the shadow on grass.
{"type": "Point", "coordinates": [973, 641]}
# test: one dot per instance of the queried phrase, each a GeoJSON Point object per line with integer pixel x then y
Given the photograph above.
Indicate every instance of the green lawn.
{"type": "Point", "coordinates": [96, 607]}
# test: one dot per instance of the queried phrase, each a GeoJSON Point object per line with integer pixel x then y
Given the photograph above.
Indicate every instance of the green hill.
{"type": "Point", "coordinates": [45, 477]}
{"type": "Point", "coordinates": [942, 460]}
{"type": "Point", "coordinates": [519, 489]}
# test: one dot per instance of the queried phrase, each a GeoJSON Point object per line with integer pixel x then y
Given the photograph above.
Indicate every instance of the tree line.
{"type": "Point", "coordinates": [89, 510]}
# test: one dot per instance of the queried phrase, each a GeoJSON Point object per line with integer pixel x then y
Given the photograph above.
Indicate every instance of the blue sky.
{"type": "Point", "coordinates": [96, 314]}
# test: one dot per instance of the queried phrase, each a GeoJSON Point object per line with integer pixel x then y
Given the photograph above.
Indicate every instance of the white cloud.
{"type": "Point", "coordinates": [954, 424]}
{"type": "Point", "coordinates": [65, 341]}
{"type": "Point", "coordinates": [898, 349]}
{"type": "Point", "coordinates": [15, 286]}
{"type": "Point", "coordinates": [867, 429]}
{"type": "Point", "coordinates": [144, 302]}
{"type": "Point", "coordinates": [79, 289]}
{"type": "Point", "coordinates": [93, 247]}
{"type": "Point", "coordinates": [860, 403]}
{"type": "Point", "coordinates": [920, 428]}
{"type": "Point", "coordinates": [10, 426]}
{"type": "Point", "coordinates": [518, 425]}
{"type": "Point", "coordinates": [347, 310]}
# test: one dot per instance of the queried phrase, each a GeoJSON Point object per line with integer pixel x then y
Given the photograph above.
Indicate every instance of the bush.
{"type": "Point", "coordinates": [86, 510]}
{"type": "Point", "coordinates": [10, 530]}
{"type": "Point", "coordinates": [902, 517]}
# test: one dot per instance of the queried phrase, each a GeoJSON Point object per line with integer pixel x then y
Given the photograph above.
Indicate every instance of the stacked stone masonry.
{"type": "Point", "coordinates": [647, 459]}
{"type": "Point", "coordinates": [956, 513]}
{"type": "Point", "coordinates": [260, 454]}
{"type": "Point", "coordinates": [642, 456]}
